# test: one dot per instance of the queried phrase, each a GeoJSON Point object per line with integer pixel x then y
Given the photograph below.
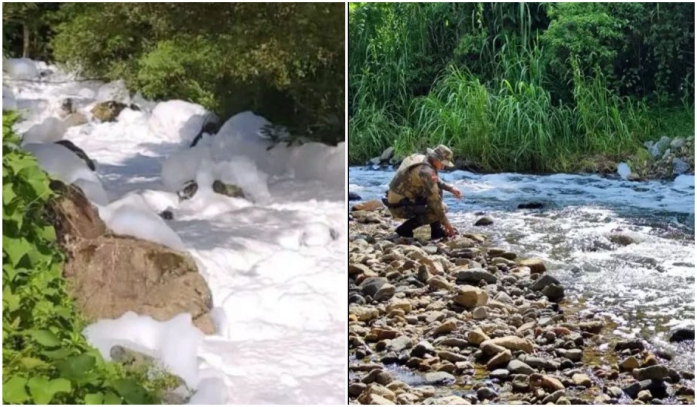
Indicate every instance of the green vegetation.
{"type": "Point", "coordinates": [284, 61]}
{"type": "Point", "coordinates": [45, 357]}
{"type": "Point", "coordinates": [528, 87]}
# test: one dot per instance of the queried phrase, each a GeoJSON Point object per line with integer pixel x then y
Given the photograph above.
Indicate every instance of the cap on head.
{"type": "Point", "coordinates": [442, 154]}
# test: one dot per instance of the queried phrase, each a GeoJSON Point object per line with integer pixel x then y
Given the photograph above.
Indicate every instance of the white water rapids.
{"type": "Point", "coordinates": [275, 267]}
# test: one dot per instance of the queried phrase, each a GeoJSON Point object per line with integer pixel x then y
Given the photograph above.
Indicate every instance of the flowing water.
{"type": "Point", "coordinates": [646, 288]}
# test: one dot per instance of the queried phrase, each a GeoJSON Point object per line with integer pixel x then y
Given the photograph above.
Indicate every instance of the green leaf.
{"type": "Point", "coordinates": [76, 367]}
{"type": "Point", "coordinates": [45, 338]}
{"type": "Point", "coordinates": [47, 233]}
{"type": "Point", "coordinates": [111, 398]}
{"type": "Point", "coordinates": [16, 249]}
{"type": "Point", "coordinates": [39, 390]}
{"type": "Point", "coordinates": [42, 390]}
{"type": "Point", "coordinates": [60, 385]}
{"type": "Point", "coordinates": [94, 398]}
{"type": "Point", "coordinates": [14, 390]}
{"type": "Point", "coordinates": [8, 194]}
{"type": "Point", "coordinates": [20, 163]}
{"type": "Point", "coordinates": [131, 391]}
{"type": "Point", "coordinates": [58, 354]}
{"type": "Point", "coordinates": [33, 363]}
{"type": "Point", "coordinates": [10, 301]}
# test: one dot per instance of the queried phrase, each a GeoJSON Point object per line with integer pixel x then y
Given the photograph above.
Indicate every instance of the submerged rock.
{"type": "Point", "coordinates": [531, 205]}
{"type": "Point", "coordinates": [231, 190]}
{"type": "Point", "coordinates": [352, 196]}
{"type": "Point", "coordinates": [682, 334]}
{"type": "Point", "coordinates": [484, 221]}
{"type": "Point", "coordinates": [188, 191]}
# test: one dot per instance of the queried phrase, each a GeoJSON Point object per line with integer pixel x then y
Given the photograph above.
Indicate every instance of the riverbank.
{"type": "Point", "coordinates": [663, 159]}
{"type": "Point", "coordinates": [461, 322]}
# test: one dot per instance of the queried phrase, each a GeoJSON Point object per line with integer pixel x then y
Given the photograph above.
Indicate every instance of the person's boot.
{"type": "Point", "coordinates": [437, 231]}
{"type": "Point", "coordinates": [406, 229]}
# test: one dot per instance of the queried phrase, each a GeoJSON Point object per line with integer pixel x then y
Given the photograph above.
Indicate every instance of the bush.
{"type": "Point", "coordinates": [46, 359]}
{"type": "Point", "coordinates": [284, 61]}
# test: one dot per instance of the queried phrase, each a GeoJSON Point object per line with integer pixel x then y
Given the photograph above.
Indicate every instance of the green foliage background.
{"type": "Point", "coordinates": [538, 87]}
{"type": "Point", "coordinates": [283, 60]}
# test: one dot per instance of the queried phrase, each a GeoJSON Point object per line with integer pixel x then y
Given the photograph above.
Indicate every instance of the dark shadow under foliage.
{"type": "Point", "coordinates": [284, 61]}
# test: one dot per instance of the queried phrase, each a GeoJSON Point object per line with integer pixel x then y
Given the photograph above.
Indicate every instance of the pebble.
{"type": "Point", "coordinates": [480, 313]}
{"type": "Point", "coordinates": [422, 348]}
{"type": "Point", "coordinates": [446, 327]}
{"type": "Point", "coordinates": [399, 303]}
{"type": "Point", "coordinates": [471, 297]}
{"type": "Point", "coordinates": [552, 398]}
{"type": "Point", "coordinates": [384, 293]}
{"type": "Point", "coordinates": [371, 285]}
{"type": "Point", "coordinates": [520, 383]}
{"type": "Point", "coordinates": [438, 378]}
{"type": "Point", "coordinates": [451, 356]}
{"type": "Point", "coordinates": [486, 393]}
{"type": "Point", "coordinates": [518, 367]}
{"type": "Point", "coordinates": [476, 337]}
{"type": "Point", "coordinates": [500, 374]}
{"type": "Point", "coordinates": [629, 364]}
{"type": "Point", "coordinates": [656, 372]}
{"type": "Point", "coordinates": [581, 379]}
{"type": "Point", "coordinates": [501, 359]}
{"type": "Point", "coordinates": [400, 343]}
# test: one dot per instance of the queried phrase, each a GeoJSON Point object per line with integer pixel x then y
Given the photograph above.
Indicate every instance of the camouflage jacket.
{"type": "Point", "coordinates": [421, 158]}
{"type": "Point", "coordinates": [415, 179]}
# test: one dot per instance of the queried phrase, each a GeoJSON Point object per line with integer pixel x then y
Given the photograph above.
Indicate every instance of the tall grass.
{"type": "Point", "coordinates": [494, 101]}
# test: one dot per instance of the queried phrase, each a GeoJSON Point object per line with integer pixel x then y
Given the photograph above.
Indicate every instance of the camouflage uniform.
{"type": "Point", "coordinates": [417, 187]}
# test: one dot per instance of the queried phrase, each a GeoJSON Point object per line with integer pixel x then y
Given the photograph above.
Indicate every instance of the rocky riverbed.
{"type": "Point", "coordinates": [462, 322]}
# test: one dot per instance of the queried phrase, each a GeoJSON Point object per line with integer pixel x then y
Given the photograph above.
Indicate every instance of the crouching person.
{"type": "Point", "coordinates": [416, 194]}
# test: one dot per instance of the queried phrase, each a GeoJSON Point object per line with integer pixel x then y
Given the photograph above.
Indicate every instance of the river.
{"type": "Point", "coordinates": [646, 288]}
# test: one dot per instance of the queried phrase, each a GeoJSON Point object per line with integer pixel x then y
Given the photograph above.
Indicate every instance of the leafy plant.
{"type": "Point", "coordinates": [46, 359]}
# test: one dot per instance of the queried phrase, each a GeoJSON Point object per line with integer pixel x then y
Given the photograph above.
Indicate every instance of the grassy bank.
{"type": "Point", "coordinates": [46, 359]}
{"type": "Point", "coordinates": [522, 87]}
{"type": "Point", "coordinates": [516, 126]}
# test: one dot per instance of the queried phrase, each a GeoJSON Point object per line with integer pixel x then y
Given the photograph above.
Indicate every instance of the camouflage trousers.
{"type": "Point", "coordinates": [420, 212]}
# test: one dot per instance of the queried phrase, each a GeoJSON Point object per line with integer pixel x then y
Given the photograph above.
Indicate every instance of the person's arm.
{"type": "Point", "coordinates": [447, 187]}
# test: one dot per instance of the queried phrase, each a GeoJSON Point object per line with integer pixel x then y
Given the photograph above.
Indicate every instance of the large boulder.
{"type": "Point", "coordinates": [107, 111]}
{"type": "Point", "coordinates": [73, 215]}
{"type": "Point", "coordinates": [110, 275]}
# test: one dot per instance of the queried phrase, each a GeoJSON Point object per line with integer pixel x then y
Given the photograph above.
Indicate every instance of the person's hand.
{"type": "Point", "coordinates": [457, 193]}
{"type": "Point", "coordinates": [449, 230]}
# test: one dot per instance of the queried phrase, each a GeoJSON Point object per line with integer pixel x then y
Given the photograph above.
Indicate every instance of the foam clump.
{"type": "Point", "coordinates": [116, 91]}
{"type": "Point", "coordinates": [623, 170]}
{"type": "Point", "coordinates": [210, 391]}
{"type": "Point", "coordinates": [175, 342]}
{"type": "Point", "coordinates": [182, 166]}
{"type": "Point", "coordinates": [63, 165]}
{"type": "Point", "coordinates": [20, 68]}
{"type": "Point", "coordinates": [317, 234]}
{"type": "Point", "coordinates": [177, 121]}
{"type": "Point", "coordinates": [243, 134]}
{"type": "Point", "coordinates": [48, 131]}
{"type": "Point", "coordinates": [9, 102]}
{"type": "Point", "coordinates": [135, 218]}
{"type": "Point", "coordinates": [684, 181]}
